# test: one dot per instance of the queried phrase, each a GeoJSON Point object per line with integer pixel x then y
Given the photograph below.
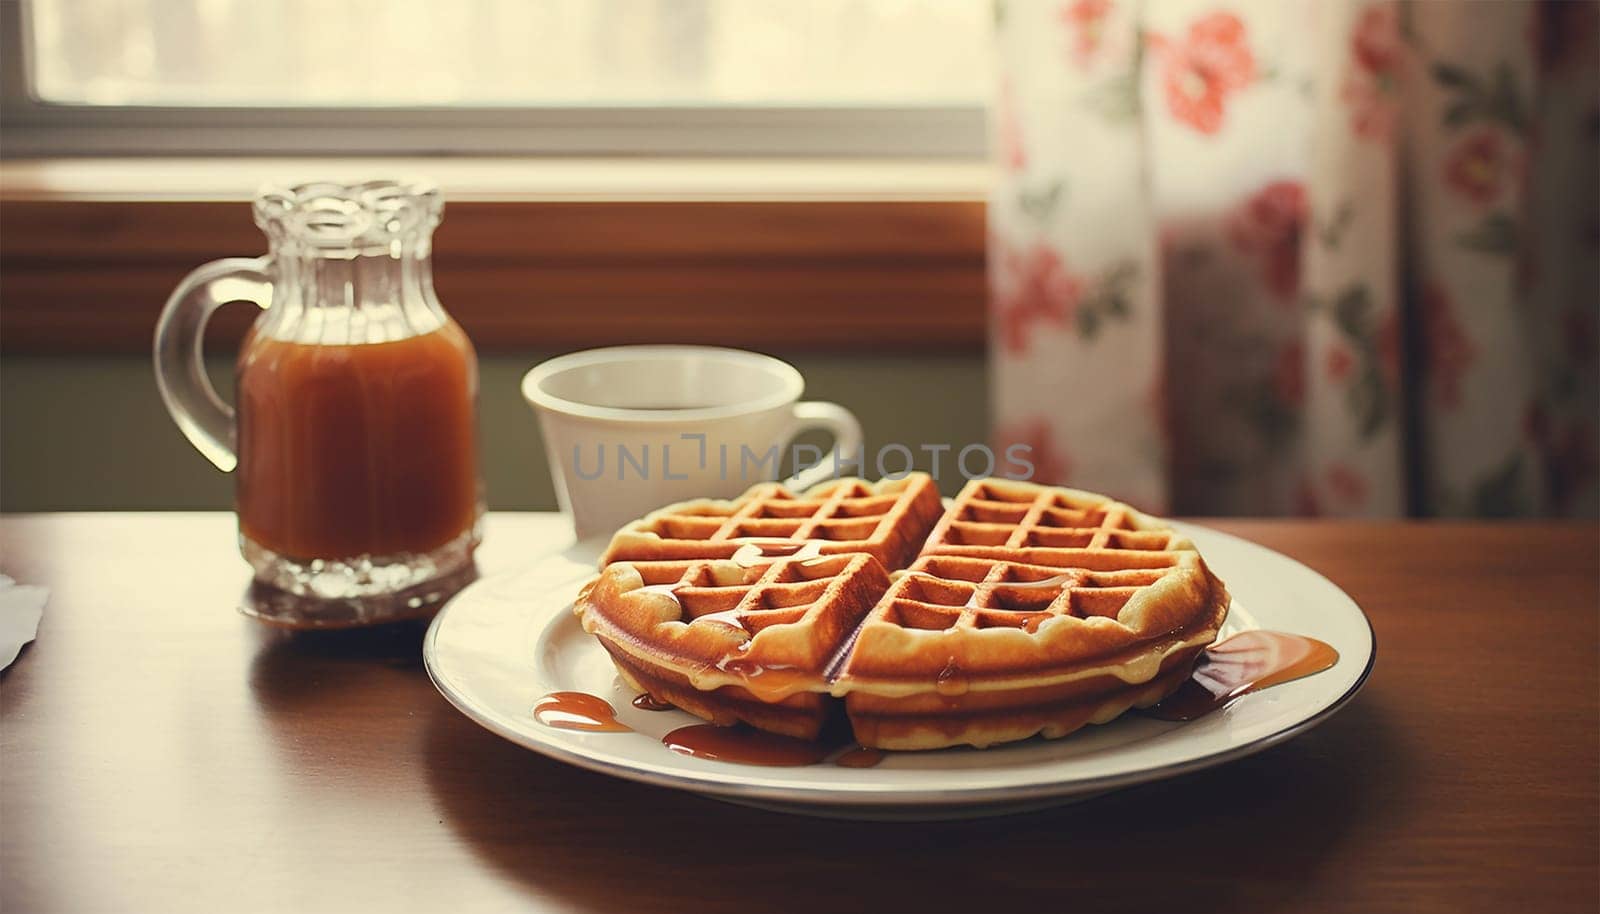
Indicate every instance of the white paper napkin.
{"type": "Point", "coordinates": [21, 607]}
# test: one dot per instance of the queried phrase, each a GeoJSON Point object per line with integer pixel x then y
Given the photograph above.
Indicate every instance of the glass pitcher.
{"type": "Point", "coordinates": [355, 435]}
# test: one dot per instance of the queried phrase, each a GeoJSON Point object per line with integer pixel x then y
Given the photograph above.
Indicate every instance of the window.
{"type": "Point", "coordinates": [901, 77]}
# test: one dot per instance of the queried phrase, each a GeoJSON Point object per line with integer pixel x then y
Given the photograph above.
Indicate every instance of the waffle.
{"type": "Point", "coordinates": [887, 520]}
{"type": "Point", "coordinates": [729, 642]}
{"type": "Point", "coordinates": [1027, 610]}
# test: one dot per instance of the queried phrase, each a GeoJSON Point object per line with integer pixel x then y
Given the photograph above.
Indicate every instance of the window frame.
{"type": "Point", "coordinates": [36, 128]}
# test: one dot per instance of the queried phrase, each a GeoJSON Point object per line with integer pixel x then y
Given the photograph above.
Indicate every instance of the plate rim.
{"type": "Point", "coordinates": [869, 796]}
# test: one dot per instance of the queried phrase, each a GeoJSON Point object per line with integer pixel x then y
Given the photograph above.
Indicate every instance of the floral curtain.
{"type": "Point", "coordinates": [1294, 257]}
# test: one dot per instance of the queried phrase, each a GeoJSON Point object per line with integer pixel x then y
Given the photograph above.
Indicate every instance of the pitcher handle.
{"type": "Point", "coordinates": [205, 419]}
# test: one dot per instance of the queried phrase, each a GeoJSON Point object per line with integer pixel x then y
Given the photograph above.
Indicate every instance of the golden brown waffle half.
{"type": "Point", "coordinates": [730, 643]}
{"type": "Point", "coordinates": [887, 520]}
{"type": "Point", "coordinates": [1033, 609]}
{"type": "Point", "coordinates": [1030, 609]}
{"type": "Point", "coordinates": [985, 650]}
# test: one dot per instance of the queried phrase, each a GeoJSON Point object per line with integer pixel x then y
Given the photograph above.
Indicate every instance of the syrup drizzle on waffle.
{"type": "Point", "coordinates": [644, 701]}
{"type": "Point", "coordinates": [768, 682]}
{"type": "Point", "coordinates": [729, 617]}
{"type": "Point", "coordinates": [753, 551]}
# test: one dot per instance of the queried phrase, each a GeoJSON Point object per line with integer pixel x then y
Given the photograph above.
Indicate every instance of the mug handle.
{"type": "Point", "coordinates": [832, 418]}
{"type": "Point", "coordinates": [205, 419]}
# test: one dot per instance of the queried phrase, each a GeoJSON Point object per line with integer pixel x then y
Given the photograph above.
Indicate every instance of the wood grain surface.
{"type": "Point", "coordinates": [158, 752]}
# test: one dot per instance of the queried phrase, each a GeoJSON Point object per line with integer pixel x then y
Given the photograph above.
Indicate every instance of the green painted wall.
{"type": "Point", "coordinates": [90, 433]}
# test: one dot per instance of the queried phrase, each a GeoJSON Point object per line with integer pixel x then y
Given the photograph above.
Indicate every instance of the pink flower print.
{"type": "Point", "coordinates": [1289, 375]}
{"type": "Point", "coordinates": [1447, 350]}
{"type": "Point", "coordinates": [1479, 166]}
{"type": "Point", "coordinates": [1198, 72]}
{"type": "Point", "coordinates": [1034, 286]}
{"type": "Point", "coordinates": [1347, 485]}
{"type": "Point", "coordinates": [1085, 22]}
{"type": "Point", "coordinates": [1341, 362]}
{"type": "Point", "coordinates": [1013, 151]}
{"type": "Point", "coordinates": [1269, 226]}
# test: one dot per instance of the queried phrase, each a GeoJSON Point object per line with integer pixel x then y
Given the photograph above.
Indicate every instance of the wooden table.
{"type": "Point", "coordinates": [163, 753]}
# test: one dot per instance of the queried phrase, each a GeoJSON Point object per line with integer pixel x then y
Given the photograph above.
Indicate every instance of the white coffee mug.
{"type": "Point", "coordinates": [629, 429]}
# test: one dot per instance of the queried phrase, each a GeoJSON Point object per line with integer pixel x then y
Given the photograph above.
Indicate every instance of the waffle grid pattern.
{"type": "Point", "coordinates": [1006, 554]}
{"type": "Point", "coordinates": [1010, 516]}
{"type": "Point", "coordinates": [781, 593]}
{"type": "Point", "coordinates": [848, 512]}
{"type": "Point", "coordinates": [947, 592]}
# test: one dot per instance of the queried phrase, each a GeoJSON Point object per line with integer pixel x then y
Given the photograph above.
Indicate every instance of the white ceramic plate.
{"type": "Point", "coordinates": [506, 641]}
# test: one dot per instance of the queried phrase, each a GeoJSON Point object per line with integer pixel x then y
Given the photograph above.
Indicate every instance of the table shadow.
{"type": "Point", "coordinates": [1252, 835]}
{"type": "Point", "coordinates": [295, 668]}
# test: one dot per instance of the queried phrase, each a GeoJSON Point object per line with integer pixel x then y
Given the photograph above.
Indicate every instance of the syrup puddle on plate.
{"type": "Point", "coordinates": [578, 711]}
{"type": "Point", "coordinates": [593, 714]}
{"type": "Point", "coordinates": [745, 746]}
{"type": "Point", "coordinates": [1245, 663]}
{"type": "Point", "coordinates": [860, 757]}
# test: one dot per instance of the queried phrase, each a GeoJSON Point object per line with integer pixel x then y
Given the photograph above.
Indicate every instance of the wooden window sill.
{"type": "Point", "coordinates": [533, 253]}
